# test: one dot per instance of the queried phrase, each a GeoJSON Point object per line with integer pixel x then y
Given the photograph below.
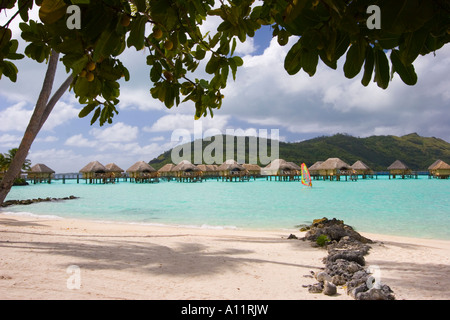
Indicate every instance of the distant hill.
{"type": "Point", "coordinates": [378, 152]}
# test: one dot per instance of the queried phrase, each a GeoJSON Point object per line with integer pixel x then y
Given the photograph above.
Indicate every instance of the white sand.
{"type": "Point", "coordinates": [123, 261]}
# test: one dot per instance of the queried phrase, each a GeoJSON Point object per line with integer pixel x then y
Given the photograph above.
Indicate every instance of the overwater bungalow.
{"type": "Point", "coordinates": [94, 172]}
{"type": "Point", "coordinates": [141, 171]}
{"type": "Point", "coordinates": [253, 169]}
{"type": "Point", "coordinates": [166, 171]}
{"type": "Point", "coordinates": [114, 172]}
{"type": "Point", "coordinates": [399, 168]}
{"type": "Point", "coordinates": [314, 169]}
{"type": "Point", "coordinates": [208, 170]}
{"type": "Point", "coordinates": [334, 168]}
{"type": "Point", "coordinates": [439, 169]}
{"type": "Point", "coordinates": [231, 170]}
{"type": "Point", "coordinates": [281, 170]}
{"type": "Point", "coordinates": [40, 173]}
{"type": "Point", "coordinates": [360, 168]}
{"type": "Point", "coordinates": [296, 167]}
{"type": "Point", "coordinates": [185, 171]}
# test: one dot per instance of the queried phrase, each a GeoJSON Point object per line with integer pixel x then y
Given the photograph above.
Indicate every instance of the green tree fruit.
{"type": "Point", "coordinates": [90, 66]}
{"type": "Point", "coordinates": [90, 76]}
{"type": "Point", "coordinates": [157, 33]}
{"type": "Point", "coordinates": [125, 21]}
{"type": "Point", "coordinates": [168, 45]}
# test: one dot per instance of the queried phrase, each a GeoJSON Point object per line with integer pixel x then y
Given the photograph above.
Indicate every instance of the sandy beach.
{"type": "Point", "coordinates": [75, 259]}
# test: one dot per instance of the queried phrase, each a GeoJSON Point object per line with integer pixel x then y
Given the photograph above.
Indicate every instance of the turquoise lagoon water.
{"type": "Point", "coordinates": [410, 207]}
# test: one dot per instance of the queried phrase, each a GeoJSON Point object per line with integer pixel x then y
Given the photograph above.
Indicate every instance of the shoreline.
{"type": "Point", "coordinates": [136, 261]}
{"type": "Point", "coordinates": [205, 226]}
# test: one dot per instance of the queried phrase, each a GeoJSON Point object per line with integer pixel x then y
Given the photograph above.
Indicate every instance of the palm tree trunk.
{"type": "Point", "coordinates": [41, 112]}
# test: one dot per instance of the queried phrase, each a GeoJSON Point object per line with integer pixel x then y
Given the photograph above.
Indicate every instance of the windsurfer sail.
{"type": "Point", "coordinates": [306, 177]}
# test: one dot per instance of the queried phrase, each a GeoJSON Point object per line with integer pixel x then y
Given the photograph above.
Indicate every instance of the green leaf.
{"type": "Point", "coordinates": [355, 59]}
{"type": "Point", "coordinates": [5, 36]}
{"type": "Point", "coordinates": [204, 84]}
{"type": "Point", "coordinates": [283, 37]}
{"type": "Point", "coordinates": [233, 46]}
{"type": "Point", "coordinates": [238, 60]}
{"type": "Point", "coordinates": [406, 73]}
{"type": "Point", "coordinates": [381, 68]}
{"type": "Point", "coordinates": [368, 67]}
{"type": "Point", "coordinates": [213, 65]}
{"type": "Point", "coordinates": [155, 73]}
{"type": "Point", "coordinates": [96, 115]}
{"type": "Point", "coordinates": [199, 53]}
{"type": "Point", "coordinates": [412, 45]}
{"type": "Point", "coordinates": [224, 26]}
{"type": "Point", "coordinates": [137, 33]}
{"type": "Point", "coordinates": [88, 109]}
{"type": "Point", "coordinates": [170, 96]}
{"type": "Point", "coordinates": [86, 89]}
{"type": "Point", "coordinates": [292, 61]}
{"type": "Point", "coordinates": [12, 55]}
{"type": "Point", "coordinates": [309, 60]}
{"type": "Point", "coordinates": [75, 61]}
{"type": "Point", "coordinates": [9, 70]}
{"type": "Point", "coordinates": [51, 11]}
{"type": "Point", "coordinates": [294, 10]}
{"type": "Point", "coordinates": [106, 44]}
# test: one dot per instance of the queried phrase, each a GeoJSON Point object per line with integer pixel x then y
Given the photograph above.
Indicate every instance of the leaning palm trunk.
{"type": "Point", "coordinates": [41, 112]}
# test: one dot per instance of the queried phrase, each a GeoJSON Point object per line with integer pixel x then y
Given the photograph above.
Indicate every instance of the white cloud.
{"type": "Point", "coordinates": [10, 141]}
{"type": "Point", "coordinates": [79, 141]}
{"type": "Point", "coordinates": [159, 138]}
{"type": "Point", "coordinates": [245, 48]}
{"type": "Point", "coordinates": [47, 139]}
{"type": "Point", "coordinates": [264, 94]}
{"type": "Point", "coordinates": [15, 117]}
{"type": "Point", "coordinates": [175, 121]}
{"type": "Point", "coordinates": [139, 99]}
{"type": "Point", "coordinates": [62, 113]}
{"type": "Point", "coordinates": [60, 160]}
{"type": "Point", "coordinates": [118, 132]}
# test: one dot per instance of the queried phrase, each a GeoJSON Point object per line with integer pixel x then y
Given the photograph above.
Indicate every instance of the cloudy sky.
{"type": "Point", "coordinates": [263, 97]}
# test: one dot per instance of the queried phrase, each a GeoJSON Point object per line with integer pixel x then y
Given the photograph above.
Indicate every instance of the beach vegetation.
{"type": "Point", "coordinates": [324, 30]}
{"type": "Point", "coordinates": [7, 158]}
{"type": "Point", "coordinates": [322, 240]}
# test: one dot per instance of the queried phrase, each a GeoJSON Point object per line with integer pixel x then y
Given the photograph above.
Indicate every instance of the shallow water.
{"type": "Point", "coordinates": [410, 207]}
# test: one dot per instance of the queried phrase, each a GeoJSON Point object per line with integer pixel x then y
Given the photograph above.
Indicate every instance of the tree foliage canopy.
{"type": "Point", "coordinates": [169, 30]}
{"type": "Point", "coordinates": [7, 158]}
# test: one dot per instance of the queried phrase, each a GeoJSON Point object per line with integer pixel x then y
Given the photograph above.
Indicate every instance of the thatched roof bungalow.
{"type": "Point", "coordinates": [252, 169]}
{"type": "Point", "coordinates": [114, 171]}
{"type": "Point", "coordinates": [141, 171]}
{"type": "Point", "coordinates": [208, 170]}
{"type": "Point", "coordinates": [360, 167]}
{"type": "Point", "coordinates": [295, 166]}
{"type": "Point", "coordinates": [333, 167]}
{"type": "Point", "coordinates": [399, 168]}
{"type": "Point", "coordinates": [280, 167]}
{"type": "Point", "coordinates": [40, 172]}
{"type": "Point", "coordinates": [231, 168]}
{"type": "Point", "coordinates": [93, 170]}
{"type": "Point", "coordinates": [166, 170]}
{"type": "Point", "coordinates": [186, 169]}
{"type": "Point", "coordinates": [314, 169]}
{"type": "Point", "coordinates": [439, 169]}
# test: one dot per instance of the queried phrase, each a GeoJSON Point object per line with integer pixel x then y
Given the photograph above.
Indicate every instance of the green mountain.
{"type": "Point", "coordinates": [378, 152]}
